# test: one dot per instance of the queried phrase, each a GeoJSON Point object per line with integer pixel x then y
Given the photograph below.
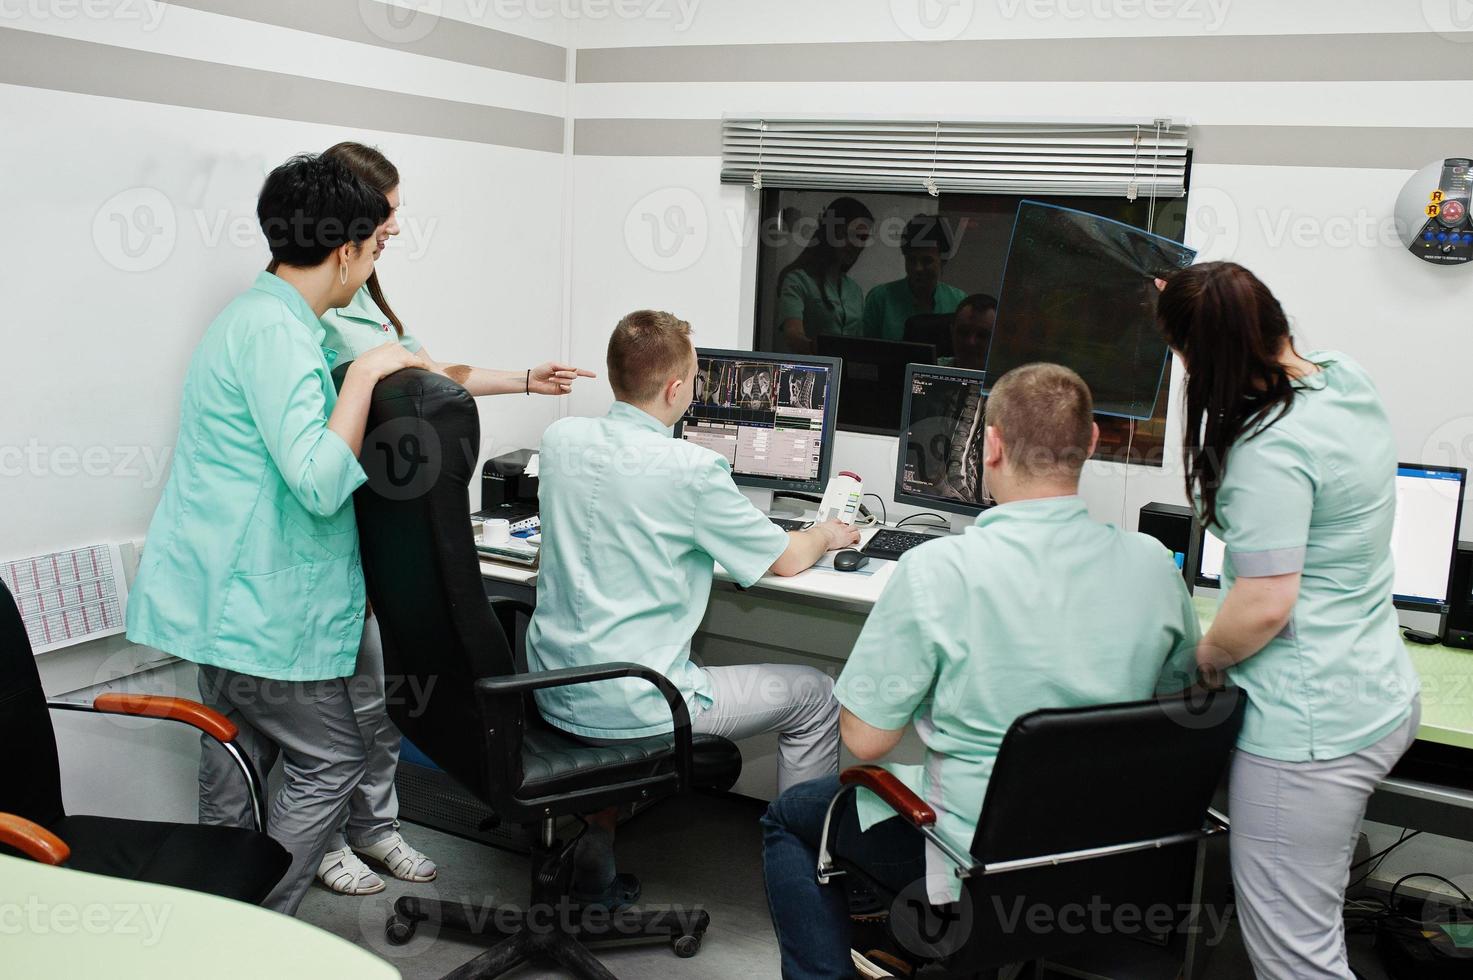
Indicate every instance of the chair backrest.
{"type": "Point", "coordinates": [1076, 779]}
{"type": "Point", "coordinates": [424, 578]}
{"type": "Point", "coordinates": [931, 328]}
{"type": "Point", "coordinates": [30, 781]}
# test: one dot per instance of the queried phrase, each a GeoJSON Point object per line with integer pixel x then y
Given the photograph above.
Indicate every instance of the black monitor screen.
{"type": "Point", "coordinates": [1079, 290]}
{"type": "Point", "coordinates": [772, 417]}
{"type": "Point", "coordinates": [940, 462]}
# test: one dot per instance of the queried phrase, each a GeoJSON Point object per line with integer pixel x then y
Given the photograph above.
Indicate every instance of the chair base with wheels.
{"type": "Point", "coordinates": [551, 928]}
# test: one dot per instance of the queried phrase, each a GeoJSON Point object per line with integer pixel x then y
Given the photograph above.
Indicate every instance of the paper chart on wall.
{"type": "Point", "coordinates": [70, 596]}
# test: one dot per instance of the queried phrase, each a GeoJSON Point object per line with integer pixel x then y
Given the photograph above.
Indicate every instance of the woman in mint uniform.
{"type": "Point", "coordinates": [1293, 464]}
{"type": "Point", "coordinates": [251, 567]}
{"type": "Point", "coordinates": [814, 292]}
{"type": "Point", "coordinates": [371, 828]}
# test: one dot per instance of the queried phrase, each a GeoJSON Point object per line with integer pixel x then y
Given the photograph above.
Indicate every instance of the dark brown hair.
{"type": "Point", "coordinates": [375, 170]}
{"type": "Point", "coordinates": [1045, 414]}
{"type": "Point", "coordinates": [1229, 330]}
{"type": "Point", "coordinates": [647, 349]}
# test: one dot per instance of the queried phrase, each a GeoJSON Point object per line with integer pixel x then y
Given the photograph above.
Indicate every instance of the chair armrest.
{"type": "Point", "coordinates": [895, 794]}
{"type": "Point", "coordinates": [32, 840]}
{"type": "Point", "coordinates": [567, 676]}
{"type": "Point", "coordinates": [192, 713]}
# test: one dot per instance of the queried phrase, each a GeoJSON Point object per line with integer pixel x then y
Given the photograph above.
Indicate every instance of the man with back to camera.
{"type": "Point", "coordinates": [1034, 606]}
{"type": "Point", "coordinates": [925, 245]}
{"type": "Point", "coordinates": [633, 521]}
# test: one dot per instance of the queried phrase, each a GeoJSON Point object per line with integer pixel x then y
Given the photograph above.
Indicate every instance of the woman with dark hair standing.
{"type": "Point", "coordinates": [371, 827]}
{"type": "Point", "coordinates": [1292, 463]}
{"type": "Point", "coordinates": [814, 292]}
{"type": "Point", "coordinates": [251, 567]}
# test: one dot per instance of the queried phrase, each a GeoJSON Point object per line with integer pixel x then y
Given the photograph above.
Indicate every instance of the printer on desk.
{"type": "Point", "coordinates": [509, 486]}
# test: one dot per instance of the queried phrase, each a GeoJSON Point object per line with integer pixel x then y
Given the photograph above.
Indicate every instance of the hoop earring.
{"type": "Point", "coordinates": [343, 273]}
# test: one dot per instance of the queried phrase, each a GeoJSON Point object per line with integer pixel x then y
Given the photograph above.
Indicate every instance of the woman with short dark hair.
{"type": "Point", "coordinates": [251, 567]}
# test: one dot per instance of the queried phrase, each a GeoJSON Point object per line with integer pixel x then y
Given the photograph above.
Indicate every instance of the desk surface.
{"type": "Point", "coordinates": [1447, 673]}
{"type": "Point", "coordinates": [56, 922]}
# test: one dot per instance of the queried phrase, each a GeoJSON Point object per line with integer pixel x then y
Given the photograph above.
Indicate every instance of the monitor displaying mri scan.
{"type": "Point", "coordinates": [771, 416]}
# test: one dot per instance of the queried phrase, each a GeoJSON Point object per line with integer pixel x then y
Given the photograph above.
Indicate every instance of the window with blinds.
{"type": "Point", "coordinates": [1110, 159]}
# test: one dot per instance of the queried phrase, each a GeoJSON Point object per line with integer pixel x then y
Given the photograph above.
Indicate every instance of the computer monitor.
{"type": "Point", "coordinates": [874, 377]}
{"type": "Point", "coordinates": [939, 464]}
{"type": "Point", "coordinates": [1424, 537]}
{"type": "Point", "coordinates": [770, 415]}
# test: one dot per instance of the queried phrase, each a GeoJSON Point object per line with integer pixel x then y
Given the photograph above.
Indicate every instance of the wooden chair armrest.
{"type": "Point", "coordinates": [896, 794]}
{"type": "Point", "coordinates": [207, 720]}
{"type": "Point", "coordinates": [32, 840]}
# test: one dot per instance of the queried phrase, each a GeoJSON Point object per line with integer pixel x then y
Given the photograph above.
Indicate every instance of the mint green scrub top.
{"type": "Point", "coordinates": [251, 561]}
{"type": "Point", "coordinates": [633, 521]}
{"type": "Point", "coordinates": [361, 326]}
{"type": "Point", "coordinates": [826, 307]}
{"type": "Point", "coordinates": [890, 304]}
{"type": "Point", "coordinates": [1035, 605]}
{"type": "Point", "coordinates": [1315, 492]}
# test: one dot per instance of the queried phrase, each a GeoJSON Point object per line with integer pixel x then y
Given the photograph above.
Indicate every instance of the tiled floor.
{"type": "Point", "coordinates": [700, 849]}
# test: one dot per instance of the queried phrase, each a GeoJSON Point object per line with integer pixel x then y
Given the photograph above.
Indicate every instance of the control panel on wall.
{"type": "Point", "coordinates": [1442, 230]}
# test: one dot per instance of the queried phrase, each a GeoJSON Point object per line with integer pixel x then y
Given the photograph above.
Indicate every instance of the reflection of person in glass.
{"type": "Point", "coordinates": [926, 245]}
{"type": "Point", "coordinates": [971, 332]}
{"type": "Point", "coordinates": [814, 292]}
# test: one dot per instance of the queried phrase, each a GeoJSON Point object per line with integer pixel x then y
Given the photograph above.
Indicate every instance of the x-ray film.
{"type": "Point", "coordinates": [1079, 290]}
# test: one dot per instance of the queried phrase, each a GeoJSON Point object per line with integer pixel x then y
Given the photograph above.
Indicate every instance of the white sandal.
{"type": "Point", "coordinates": [345, 874]}
{"type": "Point", "coordinates": [399, 858]}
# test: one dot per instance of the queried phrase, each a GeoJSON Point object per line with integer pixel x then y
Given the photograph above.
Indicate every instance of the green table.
{"type": "Point", "coordinates": [55, 922]}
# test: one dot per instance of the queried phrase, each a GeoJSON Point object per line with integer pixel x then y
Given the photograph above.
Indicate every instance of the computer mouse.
{"type": "Point", "coordinates": [850, 560]}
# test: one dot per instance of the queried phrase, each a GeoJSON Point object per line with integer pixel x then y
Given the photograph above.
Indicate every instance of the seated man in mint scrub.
{"type": "Point", "coordinates": [633, 523]}
{"type": "Point", "coordinates": [1035, 606]}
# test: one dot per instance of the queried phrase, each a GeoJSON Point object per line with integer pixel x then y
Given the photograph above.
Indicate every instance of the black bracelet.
{"type": "Point", "coordinates": [528, 389]}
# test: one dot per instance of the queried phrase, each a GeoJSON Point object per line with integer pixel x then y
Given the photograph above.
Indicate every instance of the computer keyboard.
{"type": "Point", "coordinates": [892, 544]}
{"type": "Point", "coordinates": [789, 525]}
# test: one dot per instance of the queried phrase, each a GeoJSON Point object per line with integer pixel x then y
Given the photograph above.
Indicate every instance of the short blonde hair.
{"type": "Point", "coordinates": [1045, 414]}
{"type": "Point", "coordinates": [647, 349]}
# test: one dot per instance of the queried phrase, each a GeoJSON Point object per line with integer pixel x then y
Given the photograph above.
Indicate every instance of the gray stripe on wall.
{"type": "Point", "coordinates": [66, 65]}
{"type": "Point", "coordinates": [1360, 147]}
{"type": "Point", "coordinates": [647, 137]}
{"type": "Point", "coordinates": [1368, 147]}
{"type": "Point", "coordinates": [403, 29]}
{"type": "Point", "coordinates": [1212, 58]}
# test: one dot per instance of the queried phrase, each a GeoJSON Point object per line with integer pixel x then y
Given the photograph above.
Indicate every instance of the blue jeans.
{"type": "Point", "coordinates": [812, 920]}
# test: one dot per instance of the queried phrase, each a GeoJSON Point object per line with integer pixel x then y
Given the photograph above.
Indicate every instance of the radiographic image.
{"type": "Point", "coordinates": [756, 386]}
{"type": "Point", "coordinates": [944, 445]}
{"type": "Point", "coordinates": [800, 389]}
{"type": "Point", "coordinates": [1079, 290]}
{"type": "Point", "coordinates": [741, 384]}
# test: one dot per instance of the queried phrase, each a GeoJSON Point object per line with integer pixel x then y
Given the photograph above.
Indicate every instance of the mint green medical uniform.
{"type": "Point", "coordinates": [890, 304]}
{"type": "Point", "coordinates": [1034, 606]}
{"type": "Point", "coordinates": [632, 523]}
{"type": "Point", "coordinates": [251, 562]}
{"type": "Point", "coordinates": [361, 326]}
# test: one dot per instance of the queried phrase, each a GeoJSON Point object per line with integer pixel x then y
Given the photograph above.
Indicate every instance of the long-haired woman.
{"type": "Point", "coordinates": [1292, 462]}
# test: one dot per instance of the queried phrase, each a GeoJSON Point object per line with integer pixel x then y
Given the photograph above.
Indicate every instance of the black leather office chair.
{"type": "Point", "coordinates": [931, 328]}
{"type": "Point", "coordinates": [1087, 809]}
{"type": "Point", "coordinates": [475, 717]}
{"type": "Point", "coordinates": [236, 863]}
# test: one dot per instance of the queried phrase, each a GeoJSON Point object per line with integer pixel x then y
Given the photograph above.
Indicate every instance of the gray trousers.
{"type": "Point", "coordinates": [373, 809]}
{"type": "Point", "coordinates": [794, 701]}
{"type": "Point", "coordinates": [310, 725]}
{"type": "Point", "coordinates": [756, 699]}
{"type": "Point", "coordinates": [1294, 829]}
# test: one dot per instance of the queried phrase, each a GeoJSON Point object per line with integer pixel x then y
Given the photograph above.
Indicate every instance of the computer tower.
{"type": "Point", "coordinates": [1459, 629]}
{"type": "Point", "coordinates": [1175, 526]}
